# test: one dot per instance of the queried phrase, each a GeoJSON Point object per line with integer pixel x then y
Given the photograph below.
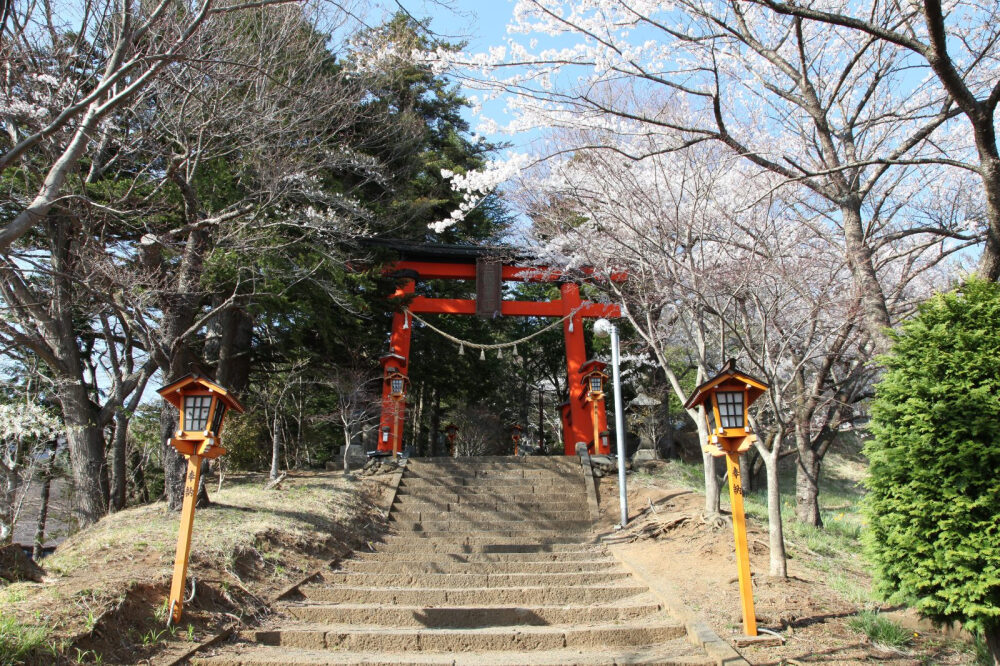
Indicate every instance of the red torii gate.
{"type": "Point", "coordinates": [453, 262]}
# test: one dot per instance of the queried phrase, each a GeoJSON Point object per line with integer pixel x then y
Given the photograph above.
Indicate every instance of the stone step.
{"type": "Point", "coordinates": [497, 461]}
{"type": "Point", "coordinates": [471, 494]}
{"type": "Point", "coordinates": [519, 596]}
{"type": "Point", "coordinates": [574, 475]}
{"type": "Point", "coordinates": [418, 503]}
{"type": "Point", "coordinates": [414, 541]}
{"type": "Point", "coordinates": [595, 554]}
{"type": "Point", "coordinates": [677, 652]}
{"type": "Point", "coordinates": [425, 566]}
{"type": "Point", "coordinates": [465, 535]}
{"type": "Point", "coordinates": [473, 525]}
{"type": "Point", "coordinates": [407, 514]}
{"type": "Point", "coordinates": [405, 579]}
{"type": "Point", "coordinates": [510, 487]}
{"type": "Point", "coordinates": [523, 639]}
{"type": "Point", "coordinates": [464, 617]}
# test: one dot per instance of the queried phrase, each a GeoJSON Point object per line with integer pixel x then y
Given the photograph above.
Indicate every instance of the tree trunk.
{"type": "Point", "coordinates": [992, 636]}
{"type": "Point", "coordinates": [174, 464]}
{"type": "Point", "coordinates": [119, 470]}
{"type": "Point", "coordinates": [43, 503]}
{"type": "Point", "coordinates": [139, 489]}
{"type": "Point", "coordinates": [775, 529]}
{"type": "Point", "coordinates": [275, 445]}
{"type": "Point", "coordinates": [347, 447]}
{"type": "Point", "coordinates": [712, 486]}
{"type": "Point", "coordinates": [86, 453]}
{"type": "Point", "coordinates": [989, 170]}
{"type": "Point", "coordinates": [203, 499]}
{"type": "Point", "coordinates": [807, 483]}
{"type": "Point", "coordinates": [859, 258]}
{"type": "Point", "coordinates": [235, 339]}
{"type": "Point", "coordinates": [8, 486]}
{"type": "Point", "coordinates": [435, 422]}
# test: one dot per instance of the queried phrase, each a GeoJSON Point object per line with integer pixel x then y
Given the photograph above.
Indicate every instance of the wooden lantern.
{"type": "Point", "coordinates": [725, 399]}
{"type": "Point", "coordinates": [203, 405]}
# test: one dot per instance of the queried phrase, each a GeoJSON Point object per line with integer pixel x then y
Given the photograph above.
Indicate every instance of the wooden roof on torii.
{"type": "Point", "coordinates": [441, 261]}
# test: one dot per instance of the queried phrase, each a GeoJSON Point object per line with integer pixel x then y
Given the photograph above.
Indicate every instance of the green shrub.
{"type": "Point", "coordinates": [934, 480]}
{"type": "Point", "coordinates": [879, 629]}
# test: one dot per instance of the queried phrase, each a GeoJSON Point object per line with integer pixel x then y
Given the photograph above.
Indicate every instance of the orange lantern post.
{"type": "Point", "coordinates": [451, 432]}
{"type": "Point", "coordinates": [593, 381]}
{"type": "Point", "coordinates": [724, 400]}
{"type": "Point", "coordinates": [515, 436]}
{"type": "Point", "coordinates": [397, 392]}
{"type": "Point", "coordinates": [202, 405]}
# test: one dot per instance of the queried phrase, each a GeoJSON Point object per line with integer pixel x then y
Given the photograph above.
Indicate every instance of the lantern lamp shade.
{"type": "Point", "coordinates": [201, 402]}
{"type": "Point", "coordinates": [595, 383]}
{"type": "Point", "coordinates": [396, 384]}
{"type": "Point", "coordinates": [196, 411]}
{"type": "Point", "coordinates": [730, 405]}
{"type": "Point", "coordinates": [725, 399]}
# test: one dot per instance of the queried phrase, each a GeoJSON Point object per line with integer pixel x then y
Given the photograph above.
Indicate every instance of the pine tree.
{"type": "Point", "coordinates": [934, 490]}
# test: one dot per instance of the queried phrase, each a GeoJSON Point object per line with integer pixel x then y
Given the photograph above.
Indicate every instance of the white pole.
{"type": "Point", "coordinates": [619, 425]}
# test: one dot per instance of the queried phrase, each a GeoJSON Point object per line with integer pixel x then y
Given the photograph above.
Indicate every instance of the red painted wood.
{"type": "Point", "coordinates": [434, 270]}
{"type": "Point", "coordinates": [399, 343]}
{"type": "Point", "coordinates": [424, 305]}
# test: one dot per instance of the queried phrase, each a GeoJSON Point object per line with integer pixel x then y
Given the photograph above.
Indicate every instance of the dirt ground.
{"type": "Point", "coordinates": [102, 599]}
{"type": "Point", "coordinates": [667, 534]}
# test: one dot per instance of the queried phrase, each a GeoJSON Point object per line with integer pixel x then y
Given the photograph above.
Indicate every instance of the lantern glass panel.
{"type": "Point", "coordinates": [595, 384]}
{"type": "Point", "coordinates": [397, 386]}
{"type": "Point", "coordinates": [196, 409]}
{"type": "Point", "coordinates": [710, 415]}
{"type": "Point", "coordinates": [220, 411]}
{"type": "Point", "coordinates": [731, 408]}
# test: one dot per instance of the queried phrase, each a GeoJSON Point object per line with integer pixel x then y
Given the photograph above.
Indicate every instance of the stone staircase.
{"type": "Point", "coordinates": [489, 561]}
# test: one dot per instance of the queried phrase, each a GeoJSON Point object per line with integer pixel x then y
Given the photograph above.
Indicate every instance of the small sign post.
{"type": "Point", "coordinates": [202, 405]}
{"type": "Point", "coordinates": [725, 399]}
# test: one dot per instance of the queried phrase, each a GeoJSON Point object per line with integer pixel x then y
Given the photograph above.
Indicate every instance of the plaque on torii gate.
{"type": "Point", "coordinates": [489, 269]}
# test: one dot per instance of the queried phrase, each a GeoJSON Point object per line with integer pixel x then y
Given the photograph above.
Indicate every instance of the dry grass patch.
{"type": "Point", "coordinates": [103, 599]}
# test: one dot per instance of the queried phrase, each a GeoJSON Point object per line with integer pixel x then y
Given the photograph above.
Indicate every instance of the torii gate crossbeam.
{"type": "Point", "coordinates": [577, 416]}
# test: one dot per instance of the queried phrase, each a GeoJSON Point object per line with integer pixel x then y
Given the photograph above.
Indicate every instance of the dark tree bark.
{"type": "Point", "coordinates": [807, 484]}
{"type": "Point", "coordinates": [119, 468]}
{"type": "Point", "coordinates": [235, 340]}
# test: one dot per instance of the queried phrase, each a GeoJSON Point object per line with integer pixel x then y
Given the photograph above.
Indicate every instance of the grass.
{"type": "Point", "coordinates": [125, 562]}
{"type": "Point", "coordinates": [880, 629]}
{"type": "Point", "coordinates": [17, 640]}
{"type": "Point", "coordinates": [240, 515]}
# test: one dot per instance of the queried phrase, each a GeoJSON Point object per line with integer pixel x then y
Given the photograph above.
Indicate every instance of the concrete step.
{"type": "Point", "coordinates": [418, 503]}
{"type": "Point", "coordinates": [410, 515]}
{"type": "Point", "coordinates": [414, 541]}
{"type": "Point", "coordinates": [473, 525]}
{"type": "Point", "coordinates": [676, 652]}
{"type": "Point", "coordinates": [373, 638]}
{"type": "Point", "coordinates": [568, 475]}
{"type": "Point", "coordinates": [404, 579]}
{"type": "Point", "coordinates": [497, 461]}
{"type": "Point", "coordinates": [471, 494]}
{"type": "Point", "coordinates": [515, 596]}
{"type": "Point", "coordinates": [594, 554]}
{"type": "Point", "coordinates": [426, 566]}
{"type": "Point", "coordinates": [510, 487]}
{"type": "Point", "coordinates": [464, 617]}
{"type": "Point", "coordinates": [463, 535]}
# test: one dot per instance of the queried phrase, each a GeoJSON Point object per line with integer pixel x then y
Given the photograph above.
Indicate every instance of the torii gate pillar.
{"type": "Point", "coordinates": [579, 426]}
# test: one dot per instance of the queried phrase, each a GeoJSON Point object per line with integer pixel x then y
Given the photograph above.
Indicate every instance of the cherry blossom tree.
{"type": "Point", "coordinates": [722, 263]}
{"type": "Point", "coordinates": [813, 105]}
{"type": "Point", "coordinates": [958, 44]}
{"type": "Point", "coordinates": [26, 429]}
